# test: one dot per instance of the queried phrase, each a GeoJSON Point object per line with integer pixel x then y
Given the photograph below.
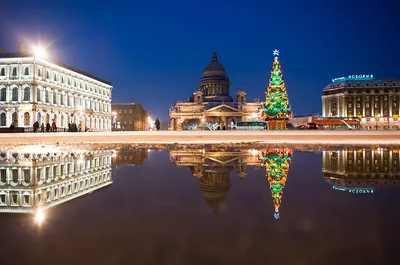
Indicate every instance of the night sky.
{"type": "Point", "coordinates": [154, 52]}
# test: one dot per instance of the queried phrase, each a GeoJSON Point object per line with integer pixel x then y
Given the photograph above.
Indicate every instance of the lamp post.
{"type": "Point", "coordinates": [114, 121]}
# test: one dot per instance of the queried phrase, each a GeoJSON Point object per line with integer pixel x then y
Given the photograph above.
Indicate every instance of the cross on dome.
{"type": "Point", "coordinates": [276, 52]}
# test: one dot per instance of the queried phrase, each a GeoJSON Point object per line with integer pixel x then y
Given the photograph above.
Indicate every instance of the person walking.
{"type": "Point", "coordinates": [54, 126]}
{"type": "Point", "coordinates": [157, 123]}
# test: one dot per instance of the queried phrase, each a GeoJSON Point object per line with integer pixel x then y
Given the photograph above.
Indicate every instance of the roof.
{"type": "Point", "coordinates": [21, 55]}
{"type": "Point", "coordinates": [381, 83]}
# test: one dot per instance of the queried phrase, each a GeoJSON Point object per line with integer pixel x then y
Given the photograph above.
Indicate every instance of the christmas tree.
{"type": "Point", "coordinates": [277, 109]}
{"type": "Point", "coordinates": [277, 163]}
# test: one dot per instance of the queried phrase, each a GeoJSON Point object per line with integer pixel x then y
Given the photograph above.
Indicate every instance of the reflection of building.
{"type": "Point", "coordinates": [212, 103]}
{"type": "Point", "coordinates": [129, 117]}
{"type": "Point", "coordinates": [130, 157]}
{"type": "Point", "coordinates": [35, 89]}
{"type": "Point", "coordinates": [213, 169]}
{"type": "Point", "coordinates": [361, 170]}
{"type": "Point", "coordinates": [277, 162]}
{"type": "Point", "coordinates": [31, 182]}
{"type": "Point", "coordinates": [375, 102]}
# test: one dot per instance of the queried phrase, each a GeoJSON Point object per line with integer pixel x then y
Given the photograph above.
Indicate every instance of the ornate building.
{"type": "Point", "coordinates": [35, 89]}
{"type": "Point", "coordinates": [36, 182]}
{"type": "Point", "coordinates": [212, 103]}
{"type": "Point", "coordinates": [129, 117]}
{"type": "Point", "coordinates": [213, 170]}
{"type": "Point", "coordinates": [375, 102]}
{"type": "Point", "coordinates": [361, 170]}
{"type": "Point", "coordinates": [127, 156]}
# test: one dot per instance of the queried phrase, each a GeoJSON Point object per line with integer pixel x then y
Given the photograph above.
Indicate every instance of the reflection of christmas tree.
{"type": "Point", "coordinates": [277, 168]}
{"type": "Point", "coordinates": [277, 109]}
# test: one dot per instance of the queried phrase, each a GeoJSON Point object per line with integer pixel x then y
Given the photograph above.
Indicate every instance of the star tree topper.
{"type": "Point", "coordinates": [276, 52]}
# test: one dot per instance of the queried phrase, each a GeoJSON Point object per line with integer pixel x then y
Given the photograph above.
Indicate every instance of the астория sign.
{"type": "Point", "coordinates": [354, 77]}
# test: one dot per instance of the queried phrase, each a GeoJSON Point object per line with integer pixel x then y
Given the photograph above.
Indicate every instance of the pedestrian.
{"type": "Point", "coordinates": [48, 127]}
{"type": "Point", "coordinates": [54, 126]}
{"type": "Point", "coordinates": [42, 127]}
{"type": "Point", "coordinates": [157, 123]}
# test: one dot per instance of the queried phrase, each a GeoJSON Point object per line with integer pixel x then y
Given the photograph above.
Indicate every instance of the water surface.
{"type": "Point", "coordinates": [200, 206]}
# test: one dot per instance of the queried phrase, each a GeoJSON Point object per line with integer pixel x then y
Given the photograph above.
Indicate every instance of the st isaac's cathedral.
{"type": "Point", "coordinates": [211, 106]}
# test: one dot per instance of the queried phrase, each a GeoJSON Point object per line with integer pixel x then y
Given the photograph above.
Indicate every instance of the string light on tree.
{"type": "Point", "coordinates": [277, 162]}
{"type": "Point", "coordinates": [277, 110]}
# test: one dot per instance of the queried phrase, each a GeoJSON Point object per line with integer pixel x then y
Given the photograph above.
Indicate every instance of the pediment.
{"type": "Point", "coordinates": [223, 159]}
{"type": "Point", "coordinates": [223, 108]}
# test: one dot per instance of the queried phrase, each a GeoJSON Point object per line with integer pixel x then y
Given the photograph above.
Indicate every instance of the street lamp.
{"type": "Point", "coordinates": [40, 52]}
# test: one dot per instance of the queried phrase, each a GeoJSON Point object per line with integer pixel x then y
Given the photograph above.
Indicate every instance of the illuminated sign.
{"type": "Point", "coordinates": [353, 77]}
{"type": "Point", "coordinates": [354, 190]}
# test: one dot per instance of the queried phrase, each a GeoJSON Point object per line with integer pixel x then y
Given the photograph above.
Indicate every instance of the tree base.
{"type": "Point", "coordinates": [277, 124]}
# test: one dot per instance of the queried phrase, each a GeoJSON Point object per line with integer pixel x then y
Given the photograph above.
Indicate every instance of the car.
{"type": "Point", "coordinates": [312, 126]}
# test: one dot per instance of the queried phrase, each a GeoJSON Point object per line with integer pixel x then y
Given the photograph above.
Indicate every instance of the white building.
{"type": "Point", "coordinates": [35, 89]}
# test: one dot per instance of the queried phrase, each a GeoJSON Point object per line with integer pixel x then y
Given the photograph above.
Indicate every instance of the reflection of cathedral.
{"type": "Point", "coordinates": [277, 162]}
{"type": "Point", "coordinates": [213, 170]}
{"type": "Point", "coordinates": [361, 170]}
{"type": "Point", "coordinates": [212, 104]}
{"type": "Point", "coordinates": [31, 182]}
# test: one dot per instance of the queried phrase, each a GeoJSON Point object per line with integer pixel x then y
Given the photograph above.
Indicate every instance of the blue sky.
{"type": "Point", "coordinates": [154, 52]}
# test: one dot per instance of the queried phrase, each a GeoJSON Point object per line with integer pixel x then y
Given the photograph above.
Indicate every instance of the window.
{"type": "Point", "coordinates": [47, 96]}
{"type": "Point", "coordinates": [27, 94]}
{"type": "Point", "coordinates": [47, 75]}
{"type": "Point", "coordinates": [2, 72]}
{"type": "Point", "coordinates": [55, 77]}
{"type": "Point", "coordinates": [2, 119]}
{"type": "Point", "coordinates": [26, 71]}
{"type": "Point", "coordinates": [14, 71]}
{"type": "Point", "coordinates": [3, 94]}
{"type": "Point", "coordinates": [61, 99]}
{"type": "Point", "coordinates": [14, 94]}
{"type": "Point", "coordinates": [62, 79]}
{"type": "Point", "coordinates": [69, 81]}
{"type": "Point", "coordinates": [54, 98]}
{"type": "Point", "coordinates": [39, 72]}
{"type": "Point", "coordinates": [38, 94]}
{"type": "Point", "coordinates": [26, 119]}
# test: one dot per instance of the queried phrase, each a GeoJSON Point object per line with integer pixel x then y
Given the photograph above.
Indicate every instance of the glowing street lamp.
{"type": "Point", "coordinates": [40, 52]}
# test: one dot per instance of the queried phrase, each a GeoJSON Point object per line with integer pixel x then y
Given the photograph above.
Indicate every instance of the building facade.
{"type": "Point", "coordinates": [32, 182]}
{"type": "Point", "coordinates": [361, 170]}
{"type": "Point", "coordinates": [212, 105]}
{"type": "Point", "coordinates": [375, 102]}
{"type": "Point", "coordinates": [35, 89]}
{"type": "Point", "coordinates": [129, 117]}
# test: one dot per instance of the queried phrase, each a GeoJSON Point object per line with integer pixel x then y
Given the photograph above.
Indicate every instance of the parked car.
{"type": "Point", "coordinates": [312, 126]}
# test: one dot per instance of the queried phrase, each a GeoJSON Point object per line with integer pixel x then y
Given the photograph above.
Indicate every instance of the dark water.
{"type": "Point", "coordinates": [200, 206]}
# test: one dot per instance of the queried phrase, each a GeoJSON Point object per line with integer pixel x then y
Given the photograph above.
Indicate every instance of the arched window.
{"type": "Point", "coordinates": [14, 94]}
{"type": "Point", "coordinates": [39, 72]}
{"type": "Point", "coordinates": [14, 71]}
{"type": "Point", "coordinates": [62, 79]}
{"type": "Point", "coordinates": [2, 72]}
{"type": "Point", "coordinates": [26, 71]}
{"type": "Point", "coordinates": [27, 117]}
{"type": "Point", "coordinates": [38, 95]}
{"type": "Point", "coordinates": [54, 98]}
{"type": "Point", "coordinates": [47, 75]}
{"type": "Point", "coordinates": [61, 99]}
{"type": "Point", "coordinates": [69, 81]}
{"type": "Point", "coordinates": [55, 77]}
{"type": "Point", "coordinates": [47, 96]}
{"type": "Point", "coordinates": [27, 94]}
{"type": "Point", "coordinates": [3, 94]}
{"type": "Point", "coordinates": [2, 119]}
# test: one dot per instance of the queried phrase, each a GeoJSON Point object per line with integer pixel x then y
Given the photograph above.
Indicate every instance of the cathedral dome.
{"type": "Point", "coordinates": [215, 83]}
{"type": "Point", "coordinates": [214, 67]}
